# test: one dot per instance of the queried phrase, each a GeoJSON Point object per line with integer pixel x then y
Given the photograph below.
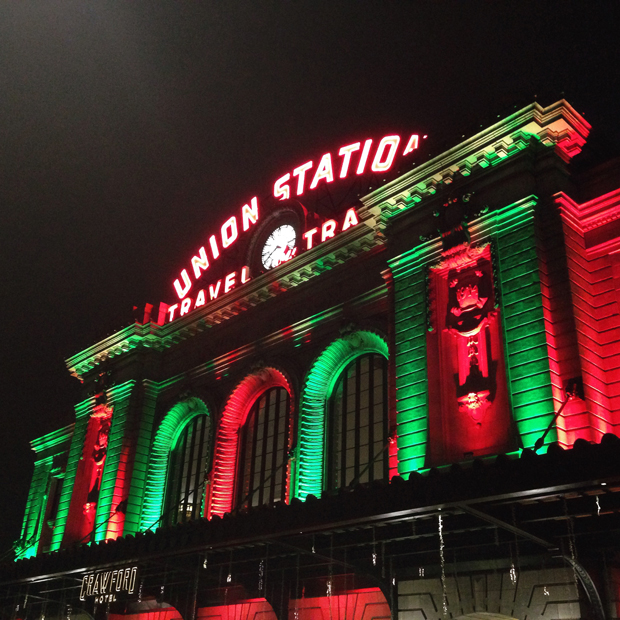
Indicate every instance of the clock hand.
{"type": "Point", "coordinates": [271, 253]}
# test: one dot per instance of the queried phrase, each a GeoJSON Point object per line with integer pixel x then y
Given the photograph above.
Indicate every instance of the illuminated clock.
{"type": "Point", "coordinates": [280, 246]}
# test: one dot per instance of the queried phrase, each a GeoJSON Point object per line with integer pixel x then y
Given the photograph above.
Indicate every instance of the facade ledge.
{"type": "Point", "coordinates": [557, 126]}
{"type": "Point", "coordinates": [308, 265]}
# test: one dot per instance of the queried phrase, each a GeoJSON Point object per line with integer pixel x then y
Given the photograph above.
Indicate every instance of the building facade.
{"type": "Point", "coordinates": [403, 406]}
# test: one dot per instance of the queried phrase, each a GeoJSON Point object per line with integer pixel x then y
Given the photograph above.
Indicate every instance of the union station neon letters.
{"type": "Point", "coordinates": [382, 161]}
{"type": "Point", "coordinates": [356, 156]}
{"type": "Point", "coordinates": [311, 238]}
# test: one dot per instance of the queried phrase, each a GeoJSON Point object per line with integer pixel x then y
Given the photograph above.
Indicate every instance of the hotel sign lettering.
{"type": "Point", "coordinates": [106, 585]}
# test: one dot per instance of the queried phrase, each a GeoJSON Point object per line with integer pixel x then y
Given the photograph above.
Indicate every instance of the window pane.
{"type": "Point", "coordinates": [262, 468]}
{"type": "Point", "coordinates": [186, 472]}
{"type": "Point", "coordinates": [357, 426]}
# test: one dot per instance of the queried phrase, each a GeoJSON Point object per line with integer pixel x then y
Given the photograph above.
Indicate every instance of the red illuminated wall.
{"type": "Point", "coordinates": [81, 519]}
{"type": "Point", "coordinates": [365, 604]}
{"type": "Point", "coordinates": [469, 411]}
{"type": "Point", "coordinates": [169, 613]}
{"type": "Point", "coordinates": [253, 609]}
{"type": "Point", "coordinates": [221, 489]}
{"type": "Point", "coordinates": [564, 362]}
{"type": "Point", "coordinates": [368, 604]}
{"type": "Point", "coordinates": [592, 238]}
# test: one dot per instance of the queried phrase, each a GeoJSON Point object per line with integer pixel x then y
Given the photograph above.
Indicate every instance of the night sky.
{"type": "Point", "coordinates": [128, 129]}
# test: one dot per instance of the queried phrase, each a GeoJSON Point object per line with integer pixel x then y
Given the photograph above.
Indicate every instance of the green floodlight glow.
{"type": "Point", "coordinates": [409, 271]}
{"type": "Point", "coordinates": [527, 357]}
{"type": "Point", "coordinates": [54, 439]}
{"type": "Point", "coordinates": [150, 392]}
{"type": "Point", "coordinates": [47, 447]}
{"type": "Point", "coordinates": [527, 364]}
{"type": "Point", "coordinates": [165, 440]}
{"type": "Point", "coordinates": [82, 413]}
{"type": "Point", "coordinates": [35, 509]}
{"type": "Point", "coordinates": [318, 387]}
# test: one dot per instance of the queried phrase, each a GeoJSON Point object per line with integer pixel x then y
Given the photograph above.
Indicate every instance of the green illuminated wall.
{"type": "Point", "coordinates": [50, 450]}
{"type": "Point", "coordinates": [512, 231]}
{"type": "Point", "coordinates": [165, 440]}
{"type": "Point", "coordinates": [527, 361]}
{"type": "Point", "coordinates": [317, 389]}
{"type": "Point", "coordinates": [82, 415]}
{"type": "Point", "coordinates": [150, 392]}
{"type": "Point", "coordinates": [409, 272]}
{"type": "Point", "coordinates": [35, 509]}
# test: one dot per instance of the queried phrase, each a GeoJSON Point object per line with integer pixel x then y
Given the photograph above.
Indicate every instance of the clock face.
{"type": "Point", "coordinates": [279, 247]}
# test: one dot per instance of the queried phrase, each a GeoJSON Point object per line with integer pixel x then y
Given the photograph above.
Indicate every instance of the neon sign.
{"type": "Point", "coordinates": [329, 229]}
{"type": "Point", "coordinates": [213, 292]}
{"type": "Point", "coordinates": [105, 585]}
{"type": "Point", "coordinates": [382, 160]}
{"type": "Point", "coordinates": [311, 238]}
{"type": "Point", "coordinates": [229, 233]}
{"type": "Point", "coordinates": [280, 247]}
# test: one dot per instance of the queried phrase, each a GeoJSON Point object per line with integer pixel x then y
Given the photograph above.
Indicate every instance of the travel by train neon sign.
{"type": "Point", "coordinates": [353, 159]}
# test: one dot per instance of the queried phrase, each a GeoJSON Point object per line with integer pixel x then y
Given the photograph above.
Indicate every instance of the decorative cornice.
{"type": "Point", "coordinates": [592, 214]}
{"type": "Point", "coordinates": [308, 265]}
{"type": "Point", "coordinates": [53, 439]}
{"type": "Point", "coordinates": [122, 341]}
{"type": "Point", "coordinates": [557, 126]}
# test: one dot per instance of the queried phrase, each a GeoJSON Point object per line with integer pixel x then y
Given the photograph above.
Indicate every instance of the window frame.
{"type": "Point", "coordinates": [243, 494]}
{"type": "Point", "coordinates": [333, 469]}
{"type": "Point", "coordinates": [172, 508]}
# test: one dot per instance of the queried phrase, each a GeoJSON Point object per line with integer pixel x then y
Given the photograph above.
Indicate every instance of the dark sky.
{"type": "Point", "coordinates": [127, 129]}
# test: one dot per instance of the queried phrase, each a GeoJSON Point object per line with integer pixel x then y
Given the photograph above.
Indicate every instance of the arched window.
{"type": "Point", "coordinates": [166, 483]}
{"type": "Point", "coordinates": [186, 472]}
{"type": "Point", "coordinates": [263, 446]}
{"type": "Point", "coordinates": [253, 439]}
{"type": "Point", "coordinates": [358, 423]}
{"type": "Point", "coordinates": [316, 467]}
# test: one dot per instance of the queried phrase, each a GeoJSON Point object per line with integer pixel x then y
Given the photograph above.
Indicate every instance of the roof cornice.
{"type": "Point", "coordinates": [308, 265]}
{"type": "Point", "coordinates": [557, 126]}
